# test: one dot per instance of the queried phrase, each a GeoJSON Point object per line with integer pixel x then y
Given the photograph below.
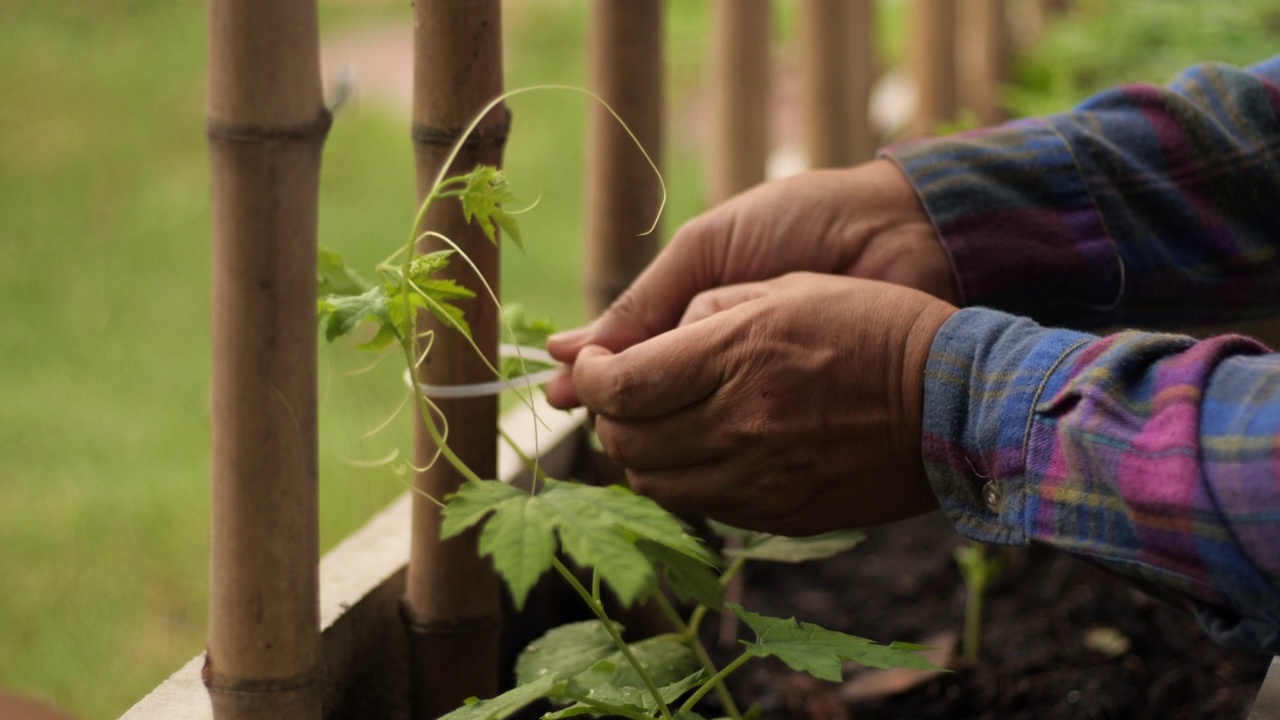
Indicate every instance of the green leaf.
{"type": "Point", "coordinates": [521, 330]}
{"type": "Point", "coordinates": [584, 654]}
{"type": "Point", "coordinates": [599, 526]}
{"type": "Point", "coordinates": [518, 329]}
{"type": "Point", "coordinates": [487, 188]}
{"type": "Point", "coordinates": [422, 267]}
{"type": "Point", "coordinates": [564, 651]}
{"type": "Point", "coordinates": [596, 686]}
{"type": "Point", "coordinates": [777, 548]}
{"type": "Point", "coordinates": [333, 277]}
{"type": "Point", "coordinates": [692, 580]}
{"type": "Point", "coordinates": [520, 535]}
{"type": "Point", "coordinates": [809, 648]}
{"type": "Point", "coordinates": [508, 703]}
{"type": "Point", "coordinates": [340, 314]}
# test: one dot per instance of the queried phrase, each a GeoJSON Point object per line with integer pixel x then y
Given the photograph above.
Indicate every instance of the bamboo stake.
{"type": "Point", "coordinates": [266, 126]}
{"type": "Point", "coordinates": [622, 193]}
{"type": "Point", "coordinates": [739, 96]}
{"type": "Point", "coordinates": [452, 607]}
{"type": "Point", "coordinates": [837, 67]}
{"type": "Point", "coordinates": [932, 59]}
{"type": "Point", "coordinates": [983, 50]}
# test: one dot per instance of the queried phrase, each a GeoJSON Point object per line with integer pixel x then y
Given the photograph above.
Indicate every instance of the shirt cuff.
{"type": "Point", "coordinates": [1018, 222]}
{"type": "Point", "coordinates": [986, 372]}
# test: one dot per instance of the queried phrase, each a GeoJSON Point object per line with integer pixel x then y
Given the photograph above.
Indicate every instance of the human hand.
{"type": "Point", "coordinates": [861, 222]}
{"type": "Point", "coordinates": [791, 405]}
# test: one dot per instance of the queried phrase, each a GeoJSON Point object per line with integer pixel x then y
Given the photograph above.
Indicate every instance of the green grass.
{"type": "Point", "coordinates": [104, 271]}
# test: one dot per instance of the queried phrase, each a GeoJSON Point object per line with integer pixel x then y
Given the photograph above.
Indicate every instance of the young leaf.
{"type": "Point", "coordinates": [333, 277]}
{"type": "Point", "coordinates": [518, 329]}
{"type": "Point", "coordinates": [340, 314]}
{"type": "Point", "coordinates": [809, 648]}
{"type": "Point", "coordinates": [692, 580]}
{"type": "Point", "coordinates": [487, 188]}
{"type": "Point", "coordinates": [508, 703]}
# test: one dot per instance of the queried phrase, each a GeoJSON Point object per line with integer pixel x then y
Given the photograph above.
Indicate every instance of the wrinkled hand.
{"type": "Point", "coordinates": [861, 222]}
{"type": "Point", "coordinates": [791, 405]}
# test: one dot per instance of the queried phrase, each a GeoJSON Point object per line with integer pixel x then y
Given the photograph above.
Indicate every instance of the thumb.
{"type": "Point", "coordinates": [656, 299]}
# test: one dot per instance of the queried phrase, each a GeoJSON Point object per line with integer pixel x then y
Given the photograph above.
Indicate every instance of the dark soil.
{"type": "Point", "coordinates": [902, 584]}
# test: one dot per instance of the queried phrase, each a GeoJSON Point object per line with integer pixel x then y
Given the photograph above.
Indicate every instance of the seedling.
{"type": "Point", "coordinates": [978, 570]}
{"type": "Point", "coordinates": [624, 541]}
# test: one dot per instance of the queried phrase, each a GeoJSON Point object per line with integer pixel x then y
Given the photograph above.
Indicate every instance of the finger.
{"type": "Point", "coordinates": [560, 392]}
{"type": "Point", "coordinates": [656, 377]}
{"type": "Point", "coordinates": [709, 302]}
{"type": "Point", "coordinates": [690, 263]}
{"type": "Point", "coordinates": [691, 435]}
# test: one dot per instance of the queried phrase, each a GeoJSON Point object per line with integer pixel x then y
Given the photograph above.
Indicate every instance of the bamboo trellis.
{"type": "Point", "coordinates": [452, 606]}
{"type": "Point", "coordinates": [266, 655]}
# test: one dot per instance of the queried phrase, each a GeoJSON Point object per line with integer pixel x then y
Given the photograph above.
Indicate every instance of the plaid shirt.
{"type": "Point", "coordinates": [1154, 455]}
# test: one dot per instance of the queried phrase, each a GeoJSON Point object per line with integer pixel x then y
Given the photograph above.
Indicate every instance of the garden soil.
{"type": "Point", "coordinates": [1061, 639]}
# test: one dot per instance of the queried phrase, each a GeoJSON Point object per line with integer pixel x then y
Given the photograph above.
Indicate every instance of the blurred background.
{"type": "Point", "coordinates": [104, 273]}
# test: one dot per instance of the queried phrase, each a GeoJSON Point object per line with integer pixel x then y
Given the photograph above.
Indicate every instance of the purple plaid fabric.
{"type": "Point", "coordinates": [1154, 455]}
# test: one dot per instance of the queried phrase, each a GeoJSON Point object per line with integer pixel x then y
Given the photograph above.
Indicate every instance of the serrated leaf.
{"type": "Point", "coordinates": [333, 277]}
{"type": "Point", "coordinates": [506, 704]}
{"type": "Point", "coordinates": [422, 267]}
{"type": "Point", "coordinates": [519, 536]}
{"type": "Point", "coordinates": [593, 540]}
{"type": "Point", "coordinates": [487, 189]}
{"type": "Point", "coordinates": [813, 649]}
{"type": "Point", "coordinates": [778, 548]}
{"type": "Point", "coordinates": [692, 580]}
{"type": "Point", "coordinates": [599, 526]}
{"type": "Point", "coordinates": [340, 314]}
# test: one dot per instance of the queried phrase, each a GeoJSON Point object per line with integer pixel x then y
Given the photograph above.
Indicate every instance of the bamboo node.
{"type": "Point", "coordinates": [449, 628]}
{"type": "Point", "coordinates": [224, 685]}
{"type": "Point", "coordinates": [313, 131]}
{"type": "Point", "coordinates": [492, 135]}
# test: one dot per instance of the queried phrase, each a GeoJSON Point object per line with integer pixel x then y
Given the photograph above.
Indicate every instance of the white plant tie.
{"type": "Point", "coordinates": [493, 387]}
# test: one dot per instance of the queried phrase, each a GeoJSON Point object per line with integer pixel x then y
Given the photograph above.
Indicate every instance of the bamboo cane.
{"type": "Point", "coordinates": [983, 51]}
{"type": "Point", "coordinates": [266, 126]}
{"type": "Point", "coordinates": [452, 607]}
{"type": "Point", "coordinates": [622, 193]}
{"type": "Point", "coordinates": [933, 59]}
{"type": "Point", "coordinates": [739, 96]}
{"type": "Point", "coordinates": [837, 67]}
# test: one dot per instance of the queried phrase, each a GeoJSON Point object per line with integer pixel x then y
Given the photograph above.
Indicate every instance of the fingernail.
{"type": "Point", "coordinates": [570, 337]}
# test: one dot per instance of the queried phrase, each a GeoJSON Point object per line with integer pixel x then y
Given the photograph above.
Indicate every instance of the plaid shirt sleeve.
{"type": "Point", "coordinates": [1145, 205]}
{"type": "Point", "coordinates": [1156, 456]}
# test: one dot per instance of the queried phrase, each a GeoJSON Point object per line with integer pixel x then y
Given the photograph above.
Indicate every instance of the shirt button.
{"type": "Point", "coordinates": [991, 496]}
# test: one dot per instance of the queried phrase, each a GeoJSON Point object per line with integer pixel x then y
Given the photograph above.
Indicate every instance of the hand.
{"type": "Point", "coordinates": [861, 222]}
{"type": "Point", "coordinates": [790, 406]}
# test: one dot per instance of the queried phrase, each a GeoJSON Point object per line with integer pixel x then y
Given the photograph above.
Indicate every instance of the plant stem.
{"type": "Point", "coordinates": [609, 627]}
{"type": "Point", "coordinates": [669, 610]}
{"type": "Point", "coordinates": [704, 658]}
{"type": "Point", "coordinates": [716, 682]}
{"type": "Point", "coordinates": [425, 411]}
